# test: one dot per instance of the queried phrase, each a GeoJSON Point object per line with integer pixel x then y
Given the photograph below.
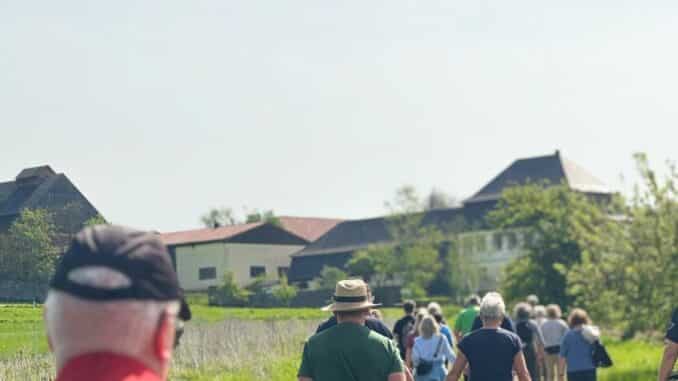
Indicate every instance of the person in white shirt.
{"type": "Point", "coordinates": [553, 330]}
{"type": "Point", "coordinates": [431, 346]}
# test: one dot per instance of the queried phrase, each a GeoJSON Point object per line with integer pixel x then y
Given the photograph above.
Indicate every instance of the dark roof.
{"type": "Point", "coordinates": [357, 234]}
{"type": "Point", "coordinates": [256, 233]}
{"type": "Point", "coordinates": [553, 169]}
{"type": "Point", "coordinates": [41, 171]}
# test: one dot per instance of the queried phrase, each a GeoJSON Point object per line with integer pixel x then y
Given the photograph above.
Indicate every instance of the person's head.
{"type": "Point", "coordinates": [492, 309]}
{"type": "Point", "coordinates": [439, 318]}
{"type": "Point", "coordinates": [409, 306]}
{"type": "Point", "coordinates": [539, 312]}
{"type": "Point", "coordinates": [419, 317]}
{"type": "Point", "coordinates": [429, 327]}
{"type": "Point", "coordinates": [115, 291]}
{"type": "Point", "coordinates": [578, 317]}
{"type": "Point", "coordinates": [522, 311]}
{"type": "Point", "coordinates": [376, 314]}
{"type": "Point", "coordinates": [473, 300]}
{"type": "Point", "coordinates": [553, 311]}
{"type": "Point", "coordinates": [434, 308]}
{"type": "Point", "coordinates": [533, 300]}
{"type": "Point", "coordinates": [352, 301]}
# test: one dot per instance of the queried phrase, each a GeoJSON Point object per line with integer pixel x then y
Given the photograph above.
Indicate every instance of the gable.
{"type": "Point", "coordinates": [268, 234]}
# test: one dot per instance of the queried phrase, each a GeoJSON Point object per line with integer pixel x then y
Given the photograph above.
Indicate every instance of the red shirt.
{"type": "Point", "coordinates": [103, 366]}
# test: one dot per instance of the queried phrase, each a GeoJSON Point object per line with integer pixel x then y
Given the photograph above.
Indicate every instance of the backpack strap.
{"type": "Point", "coordinates": [440, 343]}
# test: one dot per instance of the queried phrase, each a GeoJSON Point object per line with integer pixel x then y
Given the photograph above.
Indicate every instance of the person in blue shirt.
{"type": "Point", "coordinates": [444, 329]}
{"type": "Point", "coordinates": [576, 350]}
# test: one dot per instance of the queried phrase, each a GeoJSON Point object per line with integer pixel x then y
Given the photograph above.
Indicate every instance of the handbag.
{"type": "Point", "coordinates": [601, 359]}
{"type": "Point", "coordinates": [425, 366]}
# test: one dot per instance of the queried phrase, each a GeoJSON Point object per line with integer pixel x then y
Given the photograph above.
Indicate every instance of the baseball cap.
{"type": "Point", "coordinates": [109, 262]}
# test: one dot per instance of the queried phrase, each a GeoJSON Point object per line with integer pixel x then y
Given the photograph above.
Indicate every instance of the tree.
{"type": "Point", "coordinates": [627, 275]}
{"type": "Point", "coordinates": [266, 216]}
{"type": "Point", "coordinates": [439, 200]}
{"type": "Point", "coordinates": [284, 293]}
{"type": "Point", "coordinates": [329, 276]}
{"type": "Point", "coordinates": [27, 250]}
{"type": "Point", "coordinates": [96, 220]}
{"type": "Point", "coordinates": [229, 293]}
{"type": "Point", "coordinates": [555, 215]}
{"type": "Point", "coordinates": [217, 217]}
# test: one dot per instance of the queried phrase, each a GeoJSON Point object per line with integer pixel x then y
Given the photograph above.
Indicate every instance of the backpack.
{"type": "Point", "coordinates": [525, 333]}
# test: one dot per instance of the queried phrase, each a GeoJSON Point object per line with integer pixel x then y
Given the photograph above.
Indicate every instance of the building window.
{"type": "Point", "coordinates": [512, 240]}
{"type": "Point", "coordinates": [205, 273]}
{"type": "Point", "coordinates": [256, 271]}
{"type": "Point", "coordinates": [497, 241]}
{"type": "Point", "coordinates": [282, 271]}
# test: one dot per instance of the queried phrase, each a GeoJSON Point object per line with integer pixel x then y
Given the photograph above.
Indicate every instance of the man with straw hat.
{"type": "Point", "coordinates": [350, 351]}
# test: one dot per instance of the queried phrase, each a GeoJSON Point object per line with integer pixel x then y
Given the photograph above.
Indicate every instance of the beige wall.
{"type": "Point", "coordinates": [492, 251]}
{"type": "Point", "coordinates": [234, 257]}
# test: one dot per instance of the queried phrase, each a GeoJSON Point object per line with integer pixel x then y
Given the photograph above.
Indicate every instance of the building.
{"type": "Point", "coordinates": [202, 256]}
{"type": "Point", "coordinates": [490, 250]}
{"type": "Point", "coordinates": [43, 188]}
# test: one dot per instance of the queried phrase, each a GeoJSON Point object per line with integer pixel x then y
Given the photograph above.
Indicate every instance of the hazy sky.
{"type": "Point", "coordinates": [158, 110]}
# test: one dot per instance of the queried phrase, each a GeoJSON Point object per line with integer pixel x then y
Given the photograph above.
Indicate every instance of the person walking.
{"type": "Point", "coordinates": [464, 321]}
{"type": "Point", "coordinates": [350, 350]}
{"type": "Point", "coordinates": [414, 333]}
{"type": "Point", "coordinates": [577, 347]}
{"type": "Point", "coordinates": [493, 353]}
{"type": "Point", "coordinates": [431, 352]}
{"type": "Point", "coordinates": [444, 329]}
{"type": "Point", "coordinates": [530, 335]}
{"type": "Point", "coordinates": [553, 330]}
{"type": "Point", "coordinates": [671, 349]}
{"type": "Point", "coordinates": [403, 327]}
{"type": "Point", "coordinates": [112, 307]}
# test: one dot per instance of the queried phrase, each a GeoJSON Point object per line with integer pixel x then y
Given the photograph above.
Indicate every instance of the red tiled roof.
{"type": "Point", "coordinates": [206, 234]}
{"type": "Point", "coordinates": [308, 228]}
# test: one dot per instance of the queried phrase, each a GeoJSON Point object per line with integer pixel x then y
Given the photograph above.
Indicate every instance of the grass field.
{"type": "Point", "coordinates": [239, 344]}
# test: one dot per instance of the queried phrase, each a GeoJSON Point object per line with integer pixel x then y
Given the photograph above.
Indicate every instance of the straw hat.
{"type": "Point", "coordinates": [350, 295]}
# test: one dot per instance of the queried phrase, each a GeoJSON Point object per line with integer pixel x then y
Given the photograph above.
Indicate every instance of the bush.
{"type": "Point", "coordinates": [229, 293]}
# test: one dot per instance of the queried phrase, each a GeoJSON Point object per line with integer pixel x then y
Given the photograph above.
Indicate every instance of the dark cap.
{"type": "Point", "coordinates": [107, 263]}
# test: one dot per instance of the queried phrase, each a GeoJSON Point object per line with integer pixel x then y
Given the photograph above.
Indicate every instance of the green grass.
{"type": "Point", "coordinates": [634, 360]}
{"type": "Point", "coordinates": [21, 330]}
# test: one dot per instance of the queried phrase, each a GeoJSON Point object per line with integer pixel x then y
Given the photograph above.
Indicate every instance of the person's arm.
{"type": "Point", "coordinates": [668, 360]}
{"type": "Point", "coordinates": [458, 367]}
{"type": "Point", "coordinates": [561, 368]}
{"type": "Point", "coordinates": [400, 376]}
{"type": "Point", "coordinates": [520, 367]}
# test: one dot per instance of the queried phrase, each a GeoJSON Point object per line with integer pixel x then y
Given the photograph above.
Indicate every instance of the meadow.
{"type": "Point", "coordinates": [241, 344]}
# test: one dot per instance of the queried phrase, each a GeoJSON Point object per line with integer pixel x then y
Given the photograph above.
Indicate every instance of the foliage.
{"type": "Point", "coordinates": [96, 220]}
{"type": "Point", "coordinates": [555, 217]}
{"type": "Point", "coordinates": [284, 293]}
{"type": "Point", "coordinates": [27, 250]}
{"type": "Point", "coordinates": [628, 270]}
{"type": "Point", "coordinates": [439, 200]}
{"type": "Point", "coordinates": [229, 293]}
{"type": "Point", "coordinates": [329, 276]}
{"type": "Point", "coordinates": [364, 264]}
{"type": "Point", "coordinates": [266, 216]}
{"type": "Point", "coordinates": [217, 217]}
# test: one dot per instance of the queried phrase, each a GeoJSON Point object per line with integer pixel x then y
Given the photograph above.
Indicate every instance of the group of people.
{"type": "Point", "coordinates": [484, 344]}
{"type": "Point", "coordinates": [115, 312]}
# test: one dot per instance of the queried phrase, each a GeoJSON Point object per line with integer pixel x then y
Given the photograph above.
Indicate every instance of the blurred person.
{"type": "Point", "coordinates": [431, 352]}
{"type": "Point", "coordinates": [435, 308]}
{"type": "Point", "coordinates": [373, 323]}
{"type": "Point", "coordinates": [506, 322]}
{"type": "Point", "coordinates": [444, 329]}
{"type": "Point", "coordinates": [553, 330]}
{"type": "Point", "coordinates": [539, 313]}
{"type": "Point", "coordinates": [464, 321]}
{"type": "Point", "coordinates": [670, 350]}
{"type": "Point", "coordinates": [532, 300]}
{"type": "Point", "coordinates": [492, 352]}
{"type": "Point", "coordinates": [403, 326]}
{"type": "Point", "coordinates": [414, 333]}
{"type": "Point", "coordinates": [376, 314]}
{"type": "Point", "coordinates": [350, 350]}
{"type": "Point", "coordinates": [112, 307]}
{"type": "Point", "coordinates": [576, 349]}
{"type": "Point", "coordinates": [530, 335]}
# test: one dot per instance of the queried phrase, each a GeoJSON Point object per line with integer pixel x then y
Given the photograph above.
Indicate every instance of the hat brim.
{"type": "Point", "coordinates": [336, 307]}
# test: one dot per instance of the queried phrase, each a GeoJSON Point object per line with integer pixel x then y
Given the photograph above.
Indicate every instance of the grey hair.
{"type": "Point", "coordinates": [492, 307]}
{"type": "Point", "coordinates": [76, 326]}
{"type": "Point", "coordinates": [539, 311]}
{"type": "Point", "coordinates": [522, 311]}
{"type": "Point", "coordinates": [434, 308]}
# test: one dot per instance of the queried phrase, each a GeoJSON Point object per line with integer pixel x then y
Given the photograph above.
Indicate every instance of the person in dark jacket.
{"type": "Point", "coordinates": [671, 349]}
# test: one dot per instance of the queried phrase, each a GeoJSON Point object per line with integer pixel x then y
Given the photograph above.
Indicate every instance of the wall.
{"type": "Point", "coordinates": [241, 256]}
{"type": "Point", "coordinates": [492, 250]}
{"type": "Point", "coordinates": [192, 257]}
{"type": "Point", "coordinates": [234, 257]}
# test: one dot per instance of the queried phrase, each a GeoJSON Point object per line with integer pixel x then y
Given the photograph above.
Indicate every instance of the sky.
{"type": "Point", "coordinates": [160, 110]}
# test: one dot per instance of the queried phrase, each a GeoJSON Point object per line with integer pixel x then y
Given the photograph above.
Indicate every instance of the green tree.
{"type": "Point", "coordinates": [556, 216]}
{"type": "Point", "coordinates": [27, 250]}
{"type": "Point", "coordinates": [364, 264]}
{"type": "Point", "coordinates": [267, 216]}
{"type": "Point", "coordinates": [230, 293]}
{"type": "Point", "coordinates": [329, 276]}
{"type": "Point", "coordinates": [284, 293]}
{"type": "Point", "coordinates": [217, 217]}
{"type": "Point", "coordinates": [627, 275]}
{"type": "Point", "coordinates": [96, 220]}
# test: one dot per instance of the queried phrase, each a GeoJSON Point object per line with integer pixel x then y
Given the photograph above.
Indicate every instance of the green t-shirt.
{"type": "Point", "coordinates": [464, 321]}
{"type": "Point", "coordinates": [349, 352]}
